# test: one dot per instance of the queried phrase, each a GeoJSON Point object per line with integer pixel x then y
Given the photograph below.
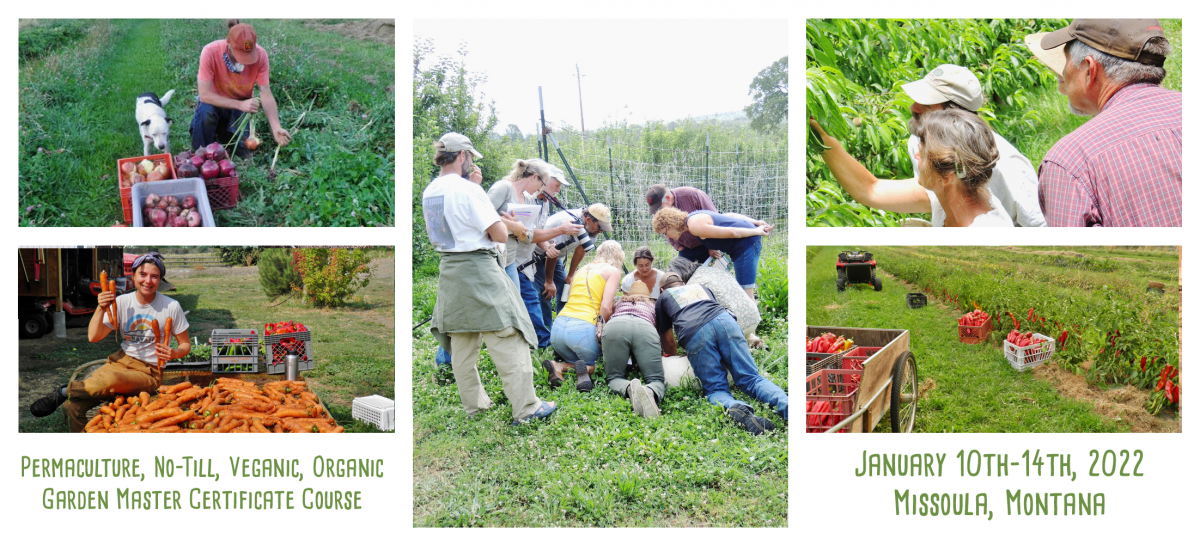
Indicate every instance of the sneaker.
{"type": "Point", "coordinates": [642, 398]}
{"type": "Point", "coordinates": [583, 381]}
{"type": "Point", "coordinates": [445, 374]}
{"type": "Point", "coordinates": [47, 405]}
{"type": "Point", "coordinates": [744, 416]}
{"type": "Point", "coordinates": [553, 376]}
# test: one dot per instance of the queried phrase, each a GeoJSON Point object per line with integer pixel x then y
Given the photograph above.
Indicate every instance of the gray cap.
{"type": "Point", "coordinates": [453, 142]}
{"type": "Point", "coordinates": [557, 174]}
{"type": "Point", "coordinates": [947, 83]}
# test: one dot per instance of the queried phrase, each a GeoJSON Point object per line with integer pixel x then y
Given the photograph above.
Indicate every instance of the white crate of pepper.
{"type": "Point", "coordinates": [171, 203]}
{"type": "Point", "coordinates": [1038, 351]}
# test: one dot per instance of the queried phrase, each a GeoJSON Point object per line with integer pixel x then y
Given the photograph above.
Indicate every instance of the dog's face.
{"type": "Point", "coordinates": [157, 131]}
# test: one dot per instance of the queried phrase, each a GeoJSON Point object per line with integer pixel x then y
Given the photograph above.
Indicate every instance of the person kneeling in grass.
{"type": "Point", "coordinates": [715, 345]}
{"type": "Point", "coordinates": [573, 334]}
{"type": "Point", "coordinates": [630, 332]}
{"type": "Point", "coordinates": [128, 371]}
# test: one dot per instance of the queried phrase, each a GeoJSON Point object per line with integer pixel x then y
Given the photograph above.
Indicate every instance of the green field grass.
{"type": "Point", "coordinates": [353, 347]}
{"type": "Point", "coordinates": [968, 388]}
{"type": "Point", "coordinates": [76, 118]}
{"type": "Point", "coordinates": [594, 463]}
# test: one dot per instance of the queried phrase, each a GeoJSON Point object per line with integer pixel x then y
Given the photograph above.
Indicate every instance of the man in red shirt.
{"type": "Point", "coordinates": [229, 70]}
{"type": "Point", "coordinates": [1124, 167]}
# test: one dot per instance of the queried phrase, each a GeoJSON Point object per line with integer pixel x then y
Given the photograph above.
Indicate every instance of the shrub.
{"type": "Point", "coordinates": [276, 274]}
{"type": "Point", "coordinates": [331, 275]}
{"type": "Point", "coordinates": [238, 255]}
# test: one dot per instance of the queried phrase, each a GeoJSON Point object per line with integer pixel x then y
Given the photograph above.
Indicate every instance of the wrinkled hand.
{"type": "Point", "coordinates": [568, 229]}
{"type": "Point", "coordinates": [714, 254]}
{"type": "Point", "coordinates": [552, 252]}
{"type": "Point", "coordinates": [251, 105]}
{"type": "Point", "coordinates": [550, 290]}
{"type": "Point", "coordinates": [828, 140]}
{"type": "Point", "coordinates": [282, 137]}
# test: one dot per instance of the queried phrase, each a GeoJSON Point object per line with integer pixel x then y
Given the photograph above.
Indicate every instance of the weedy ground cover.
{"type": "Point", "coordinates": [595, 462]}
{"type": "Point", "coordinates": [76, 118]}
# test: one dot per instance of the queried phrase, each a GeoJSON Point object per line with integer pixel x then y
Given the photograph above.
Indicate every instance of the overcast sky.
{"type": "Point", "coordinates": [632, 70]}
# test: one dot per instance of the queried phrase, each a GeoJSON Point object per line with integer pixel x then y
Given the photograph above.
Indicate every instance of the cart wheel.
{"type": "Point", "coordinates": [33, 326]}
{"type": "Point", "coordinates": [878, 282]}
{"type": "Point", "coordinates": [904, 393]}
{"type": "Point", "coordinates": [841, 279]}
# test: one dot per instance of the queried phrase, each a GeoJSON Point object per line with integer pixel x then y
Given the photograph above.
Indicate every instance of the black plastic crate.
{"type": "Point", "coordinates": [917, 300]}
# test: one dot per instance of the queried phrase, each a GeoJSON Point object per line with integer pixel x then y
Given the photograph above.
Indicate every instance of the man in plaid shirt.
{"type": "Point", "coordinates": [1124, 167]}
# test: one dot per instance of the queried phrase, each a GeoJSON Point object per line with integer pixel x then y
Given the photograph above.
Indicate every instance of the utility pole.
{"type": "Point", "coordinates": [579, 85]}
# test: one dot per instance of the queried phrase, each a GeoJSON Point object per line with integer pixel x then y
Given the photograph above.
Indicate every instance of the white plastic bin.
{"type": "Point", "coordinates": [180, 189]}
{"type": "Point", "coordinates": [375, 409]}
{"type": "Point", "coordinates": [1028, 357]}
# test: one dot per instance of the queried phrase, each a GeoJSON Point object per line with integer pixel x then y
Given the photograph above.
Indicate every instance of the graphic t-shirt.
{"type": "Point", "coordinates": [226, 83]}
{"type": "Point", "coordinates": [137, 337]}
{"type": "Point", "coordinates": [457, 214]}
{"type": "Point", "coordinates": [687, 308]}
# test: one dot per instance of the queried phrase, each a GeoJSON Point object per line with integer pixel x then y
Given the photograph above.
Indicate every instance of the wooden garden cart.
{"type": "Point", "coordinates": [888, 386]}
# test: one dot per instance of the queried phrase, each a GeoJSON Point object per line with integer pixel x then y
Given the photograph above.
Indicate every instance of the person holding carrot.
{"type": "Point", "coordinates": [229, 71]}
{"type": "Point", "coordinates": [137, 366]}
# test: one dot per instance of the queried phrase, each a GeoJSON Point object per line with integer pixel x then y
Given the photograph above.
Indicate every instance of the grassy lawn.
{"type": "Point", "coordinates": [353, 347]}
{"type": "Point", "coordinates": [76, 106]}
{"type": "Point", "coordinates": [595, 462]}
{"type": "Point", "coordinates": [967, 388]}
{"type": "Point", "coordinates": [1057, 119]}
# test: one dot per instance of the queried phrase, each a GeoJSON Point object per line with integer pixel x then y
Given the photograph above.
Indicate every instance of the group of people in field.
{"type": "Point", "coordinates": [1123, 168]}
{"type": "Point", "coordinates": [513, 275]}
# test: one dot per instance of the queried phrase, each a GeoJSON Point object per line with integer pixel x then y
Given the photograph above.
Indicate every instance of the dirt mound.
{"type": "Point", "coordinates": [1126, 403]}
{"type": "Point", "coordinates": [375, 30]}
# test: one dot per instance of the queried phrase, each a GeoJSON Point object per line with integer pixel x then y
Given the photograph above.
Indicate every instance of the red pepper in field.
{"type": "Point", "coordinates": [1143, 364]}
{"type": "Point", "coordinates": [1031, 315]}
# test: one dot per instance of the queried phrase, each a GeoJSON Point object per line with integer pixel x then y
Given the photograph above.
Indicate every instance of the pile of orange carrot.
{"type": "Point", "coordinates": [226, 406]}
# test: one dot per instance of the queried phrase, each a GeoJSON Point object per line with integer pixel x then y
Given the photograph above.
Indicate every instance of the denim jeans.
{"type": "Point", "coordinates": [719, 346]}
{"type": "Point", "coordinates": [539, 281]}
{"type": "Point", "coordinates": [533, 304]}
{"type": "Point", "coordinates": [745, 263]}
{"type": "Point", "coordinates": [212, 124]}
{"type": "Point", "coordinates": [511, 271]}
{"type": "Point", "coordinates": [575, 340]}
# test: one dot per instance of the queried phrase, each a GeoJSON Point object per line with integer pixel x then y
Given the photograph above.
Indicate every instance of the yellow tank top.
{"type": "Point", "coordinates": [579, 305]}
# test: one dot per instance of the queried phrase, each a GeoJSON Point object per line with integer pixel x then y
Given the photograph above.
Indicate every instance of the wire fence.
{"type": "Point", "coordinates": [750, 182]}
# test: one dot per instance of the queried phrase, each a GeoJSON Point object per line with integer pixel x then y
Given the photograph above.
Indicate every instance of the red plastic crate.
{"type": "Point", "coordinates": [839, 387]}
{"type": "Point", "coordinates": [857, 357]}
{"type": "Point", "coordinates": [974, 334]}
{"type": "Point", "coordinates": [126, 203]}
{"type": "Point", "coordinates": [222, 192]}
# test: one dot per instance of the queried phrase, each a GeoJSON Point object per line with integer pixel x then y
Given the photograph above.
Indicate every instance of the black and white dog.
{"type": "Point", "coordinates": [153, 122]}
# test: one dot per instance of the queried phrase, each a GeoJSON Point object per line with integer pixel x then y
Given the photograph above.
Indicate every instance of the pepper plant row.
{"type": "Point", "coordinates": [1114, 338]}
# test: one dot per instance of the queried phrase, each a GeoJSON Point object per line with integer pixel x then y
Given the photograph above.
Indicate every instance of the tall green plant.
{"type": "Point", "coordinates": [276, 274]}
{"type": "Point", "coordinates": [332, 275]}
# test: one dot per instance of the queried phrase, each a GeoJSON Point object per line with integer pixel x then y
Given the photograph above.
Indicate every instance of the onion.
{"type": "Point", "coordinates": [252, 143]}
{"type": "Point", "coordinates": [162, 204]}
{"type": "Point", "coordinates": [194, 219]}
{"type": "Point", "coordinates": [146, 167]}
{"type": "Point", "coordinates": [189, 202]}
{"type": "Point", "coordinates": [158, 218]}
{"type": "Point", "coordinates": [210, 170]}
{"type": "Point", "coordinates": [156, 176]}
{"type": "Point", "coordinates": [226, 167]}
{"type": "Point", "coordinates": [136, 178]}
{"type": "Point", "coordinates": [188, 170]}
{"type": "Point", "coordinates": [179, 221]}
{"type": "Point", "coordinates": [151, 201]}
{"type": "Point", "coordinates": [172, 200]}
{"type": "Point", "coordinates": [211, 151]}
{"type": "Point", "coordinates": [197, 160]}
{"type": "Point", "coordinates": [182, 158]}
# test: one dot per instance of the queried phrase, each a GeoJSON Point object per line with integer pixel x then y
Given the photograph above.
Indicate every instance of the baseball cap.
{"type": "Point", "coordinates": [453, 142]}
{"type": "Point", "coordinates": [1122, 38]}
{"type": "Point", "coordinates": [603, 216]}
{"type": "Point", "coordinates": [639, 288]}
{"type": "Point", "coordinates": [557, 174]}
{"type": "Point", "coordinates": [654, 197]}
{"type": "Point", "coordinates": [947, 83]}
{"type": "Point", "coordinates": [243, 41]}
